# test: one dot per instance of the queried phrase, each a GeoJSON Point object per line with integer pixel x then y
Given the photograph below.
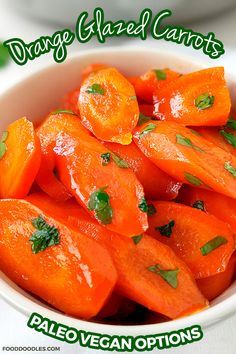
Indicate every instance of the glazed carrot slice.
{"type": "Point", "coordinates": [156, 183]}
{"type": "Point", "coordinates": [222, 137]}
{"type": "Point", "coordinates": [100, 183]}
{"type": "Point", "coordinates": [187, 157]}
{"type": "Point", "coordinates": [201, 240]}
{"type": "Point", "coordinates": [153, 81]}
{"type": "Point", "coordinates": [20, 159]}
{"type": "Point", "coordinates": [214, 286]}
{"type": "Point", "coordinates": [91, 69]}
{"type": "Point", "coordinates": [73, 273]}
{"type": "Point", "coordinates": [132, 258]}
{"type": "Point", "coordinates": [224, 208]}
{"type": "Point", "coordinates": [70, 101]}
{"type": "Point", "coordinates": [108, 106]}
{"type": "Point", "coordinates": [199, 98]}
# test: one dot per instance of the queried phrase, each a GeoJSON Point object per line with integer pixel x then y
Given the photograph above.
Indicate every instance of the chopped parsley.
{"type": "Point", "coordinates": [99, 202]}
{"type": "Point", "coordinates": [213, 244]}
{"type": "Point", "coordinates": [149, 127]}
{"type": "Point", "coordinates": [166, 230]}
{"type": "Point", "coordinates": [137, 239]}
{"type": "Point", "coordinates": [106, 157]}
{"type": "Point", "coordinates": [231, 169]}
{"type": "Point", "coordinates": [199, 204]}
{"type": "Point", "coordinates": [204, 101]}
{"type": "Point", "coordinates": [143, 119]}
{"type": "Point", "coordinates": [133, 98]}
{"type": "Point", "coordinates": [160, 74]}
{"type": "Point", "coordinates": [231, 123]}
{"type": "Point", "coordinates": [229, 137]}
{"type": "Point", "coordinates": [195, 181]}
{"type": "Point", "coordinates": [182, 140]}
{"type": "Point", "coordinates": [3, 146]}
{"type": "Point", "coordinates": [95, 89]}
{"type": "Point", "coordinates": [45, 236]}
{"type": "Point", "coordinates": [169, 275]}
{"type": "Point", "coordinates": [65, 111]}
{"type": "Point", "coordinates": [151, 210]}
{"type": "Point", "coordinates": [143, 205]}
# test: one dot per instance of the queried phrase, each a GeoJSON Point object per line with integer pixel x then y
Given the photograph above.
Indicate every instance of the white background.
{"type": "Point", "coordinates": [13, 329]}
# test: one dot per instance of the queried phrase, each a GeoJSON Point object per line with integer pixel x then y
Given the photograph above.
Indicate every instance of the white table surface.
{"type": "Point", "coordinates": [13, 329]}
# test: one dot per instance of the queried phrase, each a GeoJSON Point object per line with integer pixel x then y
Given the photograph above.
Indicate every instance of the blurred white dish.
{"type": "Point", "coordinates": [67, 11]}
{"type": "Point", "coordinates": [42, 91]}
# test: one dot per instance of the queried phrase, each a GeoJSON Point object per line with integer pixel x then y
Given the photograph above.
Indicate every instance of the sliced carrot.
{"type": "Point", "coordinates": [199, 98]}
{"type": "Point", "coordinates": [214, 286]}
{"type": "Point", "coordinates": [153, 81]}
{"type": "Point", "coordinates": [106, 97]}
{"type": "Point", "coordinates": [156, 183]}
{"type": "Point", "coordinates": [112, 306]}
{"type": "Point", "coordinates": [70, 101]}
{"type": "Point", "coordinates": [20, 159]}
{"type": "Point", "coordinates": [79, 160]}
{"type": "Point", "coordinates": [220, 137]}
{"type": "Point", "coordinates": [188, 231]}
{"type": "Point", "coordinates": [224, 208]}
{"type": "Point", "coordinates": [91, 69]}
{"type": "Point", "coordinates": [187, 157]}
{"type": "Point", "coordinates": [131, 260]}
{"type": "Point", "coordinates": [75, 275]}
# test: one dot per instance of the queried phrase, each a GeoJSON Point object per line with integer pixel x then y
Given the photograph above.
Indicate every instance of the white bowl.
{"type": "Point", "coordinates": [39, 93]}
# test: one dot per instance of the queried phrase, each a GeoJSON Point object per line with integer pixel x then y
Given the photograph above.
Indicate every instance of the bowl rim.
{"type": "Point", "coordinates": [27, 304]}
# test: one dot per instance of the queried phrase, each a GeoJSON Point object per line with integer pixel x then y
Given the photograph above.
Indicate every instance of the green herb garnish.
{"type": "Point", "coordinates": [66, 111]}
{"type": "Point", "coordinates": [119, 162]}
{"type": "Point", "coordinates": [106, 158]}
{"type": "Point", "coordinates": [160, 74]}
{"type": "Point", "coordinates": [3, 146]}
{"type": "Point", "coordinates": [143, 205]}
{"type": "Point", "coordinates": [169, 275]}
{"type": "Point", "coordinates": [96, 89]}
{"type": "Point", "coordinates": [132, 98]}
{"type": "Point", "coordinates": [199, 204]}
{"type": "Point", "coordinates": [182, 140]}
{"type": "Point", "coordinates": [204, 101]}
{"type": "Point", "coordinates": [151, 210]}
{"type": "Point", "coordinates": [213, 244]}
{"type": "Point", "coordinates": [231, 123]}
{"type": "Point", "coordinates": [149, 127]}
{"type": "Point", "coordinates": [143, 119]}
{"type": "Point", "coordinates": [195, 132]}
{"type": "Point", "coordinates": [45, 236]}
{"type": "Point", "coordinates": [99, 202]}
{"type": "Point", "coordinates": [230, 168]}
{"type": "Point", "coordinates": [195, 181]}
{"type": "Point", "coordinates": [137, 239]}
{"type": "Point", "coordinates": [4, 55]}
{"type": "Point", "coordinates": [229, 137]}
{"type": "Point", "coordinates": [166, 230]}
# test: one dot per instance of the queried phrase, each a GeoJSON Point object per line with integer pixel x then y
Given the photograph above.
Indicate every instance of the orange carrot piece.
{"type": "Point", "coordinates": [187, 157]}
{"type": "Point", "coordinates": [76, 275]}
{"type": "Point", "coordinates": [20, 162]}
{"type": "Point", "coordinates": [214, 286]}
{"type": "Point", "coordinates": [70, 101]}
{"type": "Point", "coordinates": [79, 161]}
{"type": "Point", "coordinates": [199, 98]}
{"type": "Point", "coordinates": [91, 69]}
{"type": "Point", "coordinates": [153, 81]}
{"type": "Point", "coordinates": [131, 260]}
{"type": "Point", "coordinates": [224, 208]}
{"type": "Point", "coordinates": [216, 136]}
{"type": "Point", "coordinates": [156, 183]}
{"type": "Point", "coordinates": [187, 230]}
{"type": "Point", "coordinates": [106, 97]}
